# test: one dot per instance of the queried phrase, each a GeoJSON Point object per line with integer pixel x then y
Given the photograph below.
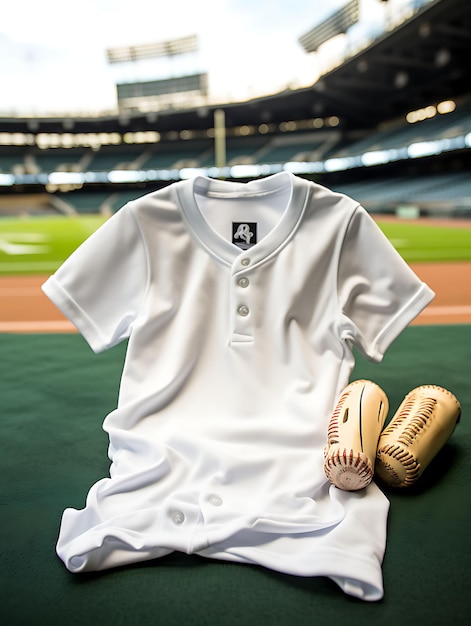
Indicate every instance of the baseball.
{"type": "Point", "coordinates": [353, 433]}
{"type": "Point", "coordinates": [422, 425]}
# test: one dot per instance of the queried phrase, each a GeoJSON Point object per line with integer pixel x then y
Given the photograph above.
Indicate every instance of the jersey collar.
{"type": "Point", "coordinates": [220, 247]}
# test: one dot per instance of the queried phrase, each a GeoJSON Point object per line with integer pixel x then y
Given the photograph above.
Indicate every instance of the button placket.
{"type": "Point", "coordinates": [241, 299]}
{"type": "Point", "coordinates": [243, 282]}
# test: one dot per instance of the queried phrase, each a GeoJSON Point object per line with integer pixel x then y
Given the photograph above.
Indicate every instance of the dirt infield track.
{"type": "Point", "coordinates": [25, 309]}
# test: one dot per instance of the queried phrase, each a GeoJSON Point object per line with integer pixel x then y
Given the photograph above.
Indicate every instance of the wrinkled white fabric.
{"type": "Point", "coordinates": [216, 443]}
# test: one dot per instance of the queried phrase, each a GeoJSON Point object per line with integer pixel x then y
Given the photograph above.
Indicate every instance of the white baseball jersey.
{"type": "Point", "coordinates": [241, 303]}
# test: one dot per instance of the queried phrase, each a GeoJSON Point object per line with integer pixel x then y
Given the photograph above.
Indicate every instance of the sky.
{"type": "Point", "coordinates": [53, 53]}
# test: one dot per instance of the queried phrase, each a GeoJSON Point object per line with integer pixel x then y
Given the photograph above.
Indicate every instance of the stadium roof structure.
{"type": "Point", "coordinates": [422, 61]}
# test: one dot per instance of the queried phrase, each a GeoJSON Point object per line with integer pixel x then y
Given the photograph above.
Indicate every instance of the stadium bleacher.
{"type": "Point", "coordinates": [444, 194]}
{"type": "Point", "coordinates": [379, 191]}
{"type": "Point", "coordinates": [86, 203]}
{"type": "Point", "coordinates": [401, 134]}
{"type": "Point", "coordinates": [179, 153]}
{"type": "Point", "coordinates": [9, 162]}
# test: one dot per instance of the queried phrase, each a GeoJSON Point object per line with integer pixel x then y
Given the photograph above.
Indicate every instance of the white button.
{"type": "Point", "coordinates": [215, 500]}
{"type": "Point", "coordinates": [243, 282]}
{"type": "Point", "coordinates": [245, 262]}
{"type": "Point", "coordinates": [243, 310]}
{"type": "Point", "coordinates": [178, 517]}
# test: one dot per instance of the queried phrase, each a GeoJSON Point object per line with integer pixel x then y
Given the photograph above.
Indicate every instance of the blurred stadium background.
{"type": "Point", "coordinates": [387, 122]}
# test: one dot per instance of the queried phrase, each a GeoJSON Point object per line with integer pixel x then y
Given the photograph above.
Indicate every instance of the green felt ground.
{"type": "Point", "coordinates": [55, 393]}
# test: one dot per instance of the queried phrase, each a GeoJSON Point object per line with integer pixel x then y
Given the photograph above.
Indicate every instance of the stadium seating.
{"type": "Point", "coordinates": [441, 193]}
{"type": "Point", "coordinates": [8, 163]}
{"type": "Point", "coordinates": [400, 134]}
{"type": "Point", "coordinates": [94, 202]}
{"type": "Point", "coordinates": [85, 202]}
{"type": "Point", "coordinates": [55, 160]}
{"type": "Point", "coordinates": [176, 154]}
{"type": "Point", "coordinates": [110, 158]}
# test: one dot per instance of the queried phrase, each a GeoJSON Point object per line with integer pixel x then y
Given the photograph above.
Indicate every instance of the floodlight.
{"type": "Point", "coordinates": [336, 24]}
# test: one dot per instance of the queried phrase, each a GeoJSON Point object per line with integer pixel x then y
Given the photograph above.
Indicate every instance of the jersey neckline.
{"type": "Point", "coordinates": [224, 249]}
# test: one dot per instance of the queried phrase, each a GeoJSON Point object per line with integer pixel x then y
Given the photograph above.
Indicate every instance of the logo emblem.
{"type": "Point", "coordinates": [244, 234]}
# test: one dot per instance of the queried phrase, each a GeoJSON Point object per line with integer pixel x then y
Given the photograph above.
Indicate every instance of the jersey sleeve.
{"type": "Point", "coordinates": [379, 294]}
{"type": "Point", "coordinates": [100, 287]}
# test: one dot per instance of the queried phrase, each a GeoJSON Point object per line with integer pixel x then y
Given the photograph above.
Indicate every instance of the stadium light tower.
{"type": "Point", "coordinates": [169, 91]}
{"type": "Point", "coordinates": [337, 24]}
{"type": "Point", "coordinates": [126, 54]}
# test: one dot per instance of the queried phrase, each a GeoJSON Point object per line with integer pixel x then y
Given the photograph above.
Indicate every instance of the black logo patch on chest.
{"type": "Point", "coordinates": [244, 234]}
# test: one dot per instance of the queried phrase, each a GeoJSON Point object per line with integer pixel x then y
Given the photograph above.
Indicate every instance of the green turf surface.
{"type": "Point", "coordinates": [55, 394]}
{"type": "Point", "coordinates": [428, 242]}
{"type": "Point", "coordinates": [39, 245]}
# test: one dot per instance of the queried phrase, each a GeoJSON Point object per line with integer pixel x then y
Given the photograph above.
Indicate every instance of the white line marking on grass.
{"type": "Point", "coordinates": [22, 248]}
{"type": "Point", "coordinates": [37, 327]}
{"type": "Point", "coordinates": [447, 310]}
{"type": "Point", "coordinates": [24, 243]}
{"type": "Point", "coordinates": [399, 243]}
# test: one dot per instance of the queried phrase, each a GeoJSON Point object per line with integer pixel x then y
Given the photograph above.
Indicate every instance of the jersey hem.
{"type": "Point", "coordinates": [367, 585]}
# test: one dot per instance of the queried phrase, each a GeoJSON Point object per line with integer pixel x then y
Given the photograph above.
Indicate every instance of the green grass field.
{"type": "Point", "coordinates": [428, 242]}
{"type": "Point", "coordinates": [39, 245]}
